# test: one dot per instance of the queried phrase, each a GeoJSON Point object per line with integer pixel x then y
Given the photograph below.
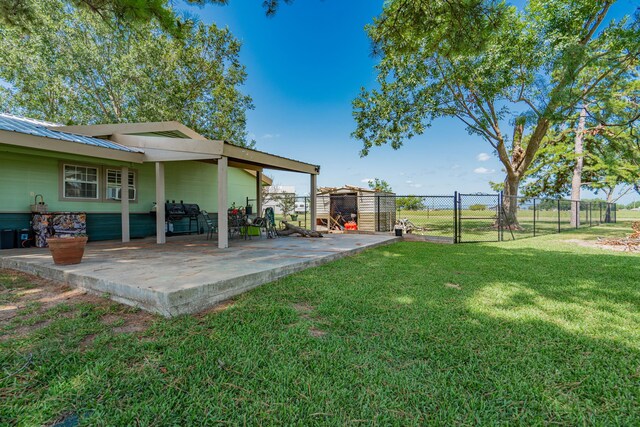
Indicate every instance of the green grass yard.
{"type": "Point", "coordinates": [536, 331]}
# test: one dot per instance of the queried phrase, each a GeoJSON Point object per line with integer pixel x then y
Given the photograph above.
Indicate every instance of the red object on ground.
{"type": "Point", "coordinates": [351, 225]}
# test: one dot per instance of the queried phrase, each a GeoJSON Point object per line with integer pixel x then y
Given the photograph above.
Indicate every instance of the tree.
{"type": "Point", "coordinates": [409, 203]}
{"type": "Point", "coordinates": [477, 207]}
{"type": "Point", "coordinates": [514, 68]}
{"type": "Point", "coordinates": [286, 202]}
{"type": "Point", "coordinates": [266, 191]}
{"type": "Point", "coordinates": [601, 152]}
{"type": "Point", "coordinates": [75, 68]}
{"type": "Point", "coordinates": [380, 185]}
{"type": "Point", "coordinates": [24, 14]}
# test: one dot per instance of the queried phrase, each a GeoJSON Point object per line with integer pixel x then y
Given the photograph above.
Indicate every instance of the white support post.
{"type": "Point", "coordinates": [223, 220]}
{"type": "Point", "coordinates": [161, 236]}
{"type": "Point", "coordinates": [259, 193]}
{"type": "Point", "coordinates": [313, 201]}
{"type": "Point", "coordinates": [124, 203]}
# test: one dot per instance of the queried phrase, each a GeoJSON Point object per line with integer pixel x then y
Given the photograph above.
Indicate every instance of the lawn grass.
{"type": "Point", "coordinates": [536, 331]}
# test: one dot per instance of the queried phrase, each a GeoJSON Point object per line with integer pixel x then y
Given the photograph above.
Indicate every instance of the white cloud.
{"type": "Point", "coordinates": [367, 180]}
{"type": "Point", "coordinates": [483, 157]}
{"type": "Point", "coordinates": [270, 135]}
{"type": "Point", "coordinates": [409, 181]}
{"type": "Point", "coordinates": [456, 166]}
{"type": "Point", "coordinates": [483, 170]}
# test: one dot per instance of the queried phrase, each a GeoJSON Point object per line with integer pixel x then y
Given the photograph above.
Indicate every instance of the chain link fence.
{"type": "Point", "coordinates": [458, 218]}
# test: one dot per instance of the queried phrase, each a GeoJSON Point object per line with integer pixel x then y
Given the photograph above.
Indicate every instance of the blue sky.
{"type": "Point", "coordinates": [305, 66]}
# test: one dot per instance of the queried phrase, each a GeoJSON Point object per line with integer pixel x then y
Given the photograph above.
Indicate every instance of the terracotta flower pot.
{"type": "Point", "coordinates": [66, 251]}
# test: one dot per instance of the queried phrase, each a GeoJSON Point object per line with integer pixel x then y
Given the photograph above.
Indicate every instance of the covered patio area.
{"type": "Point", "coordinates": [187, 274]}
{"type": "Point", "coordinates": [165, 144]}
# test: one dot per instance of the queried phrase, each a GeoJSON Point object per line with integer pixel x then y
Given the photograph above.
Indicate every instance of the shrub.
{"type": "Point", "coordinates": [478, 207]}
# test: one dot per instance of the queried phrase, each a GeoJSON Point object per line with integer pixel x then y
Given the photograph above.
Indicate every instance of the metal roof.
{"type": "Point", "coordinates": [34, 127]}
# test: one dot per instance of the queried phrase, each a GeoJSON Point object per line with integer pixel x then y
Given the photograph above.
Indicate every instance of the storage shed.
{"type": "Point", "coordinates": [371, 210]}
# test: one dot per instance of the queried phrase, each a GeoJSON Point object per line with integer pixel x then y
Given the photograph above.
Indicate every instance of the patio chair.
{"type": "Point", "coordinates": [212, 227]}
{"type": "Point", "coordinates": [270, 226]}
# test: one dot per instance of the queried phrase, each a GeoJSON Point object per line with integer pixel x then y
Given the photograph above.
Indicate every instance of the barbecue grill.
{"type": "Point", "coordinates": [179, 211]}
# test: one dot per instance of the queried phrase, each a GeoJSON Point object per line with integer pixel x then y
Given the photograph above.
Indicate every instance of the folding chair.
{"type": "Point", "coordinates": [211, 226]}
{"type": "Point", "coordinates": [270, 220]}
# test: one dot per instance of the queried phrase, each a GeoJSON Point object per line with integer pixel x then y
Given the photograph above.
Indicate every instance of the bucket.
{"type": "Point", "coordinates": [7, 239]}
{"type": "Point", "coordinates": [398, 232]}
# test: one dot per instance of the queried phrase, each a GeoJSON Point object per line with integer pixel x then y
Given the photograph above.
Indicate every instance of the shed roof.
{"type": "Point", "coordinates": [11, 123]}
{"type": "Point", "coordinates": [349, 188]}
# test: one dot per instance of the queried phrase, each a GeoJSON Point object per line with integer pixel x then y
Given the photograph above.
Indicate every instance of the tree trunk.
{"type": "Point", "coordinates": [607, 213]}
{"type": "Point", "coordinates": [510, 202]}
{"type": "Point", "coordinates": [576, 181]}
{"type": "Point", "coordinates": [292, 229]}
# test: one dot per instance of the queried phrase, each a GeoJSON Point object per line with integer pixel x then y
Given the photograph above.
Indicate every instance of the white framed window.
{"type": "Point", "coordinates": [113, 184]}
{"type": "Point", "coordinates": [80, 182]}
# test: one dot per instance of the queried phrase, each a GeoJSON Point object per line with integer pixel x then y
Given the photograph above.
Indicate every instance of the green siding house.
{"type": "Point", "coordinates": [81, 169]}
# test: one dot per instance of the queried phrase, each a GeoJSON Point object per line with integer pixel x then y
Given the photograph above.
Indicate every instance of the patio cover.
{"type": "Point", "coordinates": [162, 142]}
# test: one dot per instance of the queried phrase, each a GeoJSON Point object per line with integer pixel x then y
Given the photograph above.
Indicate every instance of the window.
{"type": "Point", "coordinates": [80, 182]}
{"type": "Point", "coordinates": [114, 178]}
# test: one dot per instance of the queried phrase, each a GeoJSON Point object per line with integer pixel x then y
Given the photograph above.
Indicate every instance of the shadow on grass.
{"type": "Point", "coordinates": [416, 333]}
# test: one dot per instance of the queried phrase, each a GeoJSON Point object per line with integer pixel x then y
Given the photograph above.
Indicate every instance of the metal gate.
{"type": "Point", "coordinates": [478, 218]}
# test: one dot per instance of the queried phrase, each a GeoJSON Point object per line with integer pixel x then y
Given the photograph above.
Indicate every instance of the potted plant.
{"type": "Point", "coordinates": [68, 249]}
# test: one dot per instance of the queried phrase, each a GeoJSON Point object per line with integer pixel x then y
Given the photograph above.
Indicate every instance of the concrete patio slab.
{"type": "Point", "coordinates": [188, 273]}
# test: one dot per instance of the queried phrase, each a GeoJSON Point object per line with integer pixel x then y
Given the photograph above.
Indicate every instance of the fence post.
{"type": "Point", "coordinates": [534, 217]}
{"type": "Point", "coordinates": [558, 215]}
{"type": "Point", "coordinates": [500, 219]}
{"type": "Point", "coordinates": [378, 216]}
{"type": "Point", "coordinates": [600, 220]}
{"type": "Point", "coordinates": [455, 217]}
{"type": "Point", "coordinates": [459, 202]}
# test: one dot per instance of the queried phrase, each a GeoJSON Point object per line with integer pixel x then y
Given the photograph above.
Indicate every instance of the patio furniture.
{"type": "Point", "coordinates": [270, 219]}
{"type": "Point", "coordinates": [237, 222]}
{"type": "Point", "coordinates": [212, 227]}
{"type": "Point", "coordinates": [260, 223]}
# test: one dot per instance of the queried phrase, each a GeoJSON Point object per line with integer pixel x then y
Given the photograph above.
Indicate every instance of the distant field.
{"type": "Point", "coordinates": [628, 215]}
{"type": "Point", "coordinates": [480, 225]}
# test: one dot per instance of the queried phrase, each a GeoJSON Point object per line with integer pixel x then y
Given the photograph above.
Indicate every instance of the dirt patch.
{"type": "Point", "coordinates": [218, 308]}
{"type": "Point", "coordinates": [303, 309]}
{"type": "Point", "coordinates": [19, 290]}
{"type": "Point", "coordinates": [317, 333]}
{"type": "Point", "coordinates": [87, 341]}
{"type": "Point", "coordinates": [126, 322]}
{"type": "Point", "coordinates": [604, 244]}
{"type": "Point", "coordinates": [27, 296]}
{"type": "Point", "coordinates": [453, 286]}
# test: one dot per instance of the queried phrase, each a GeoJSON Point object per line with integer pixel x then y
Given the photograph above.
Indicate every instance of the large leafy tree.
{"type": "Point", "coordinates": [77, 68]}
{"type": "Point", "coordinates": [24, 14]}
{"type": "Point", "coordinates": [507, 74]}
{"type": "Point", "coordinates": [599, 147]}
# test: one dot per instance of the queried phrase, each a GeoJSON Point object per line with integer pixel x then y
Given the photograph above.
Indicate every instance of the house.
{"type": "Point", "coordinates": [372, 210]}
{"type": "Point", "coordinates": [81, 169]}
